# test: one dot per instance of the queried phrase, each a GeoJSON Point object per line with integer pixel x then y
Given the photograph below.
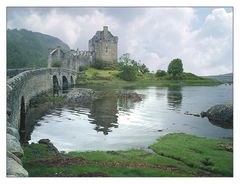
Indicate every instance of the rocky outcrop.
{"type": "Point", "coordinates": [44, 141]}
{"type": "Point", "coordinates": [191, 114]}
{"type": "Point", "coordinates": [80, 95]}
{"type": "Point", "coordinates": [221, 114]}
{"type": "Point", "coordinates": [50, 145]}
{"type": "Point", "coordinates": [133, 96]}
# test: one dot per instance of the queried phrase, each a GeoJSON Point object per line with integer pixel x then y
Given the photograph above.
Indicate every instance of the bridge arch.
{"type": "Point", "coordinates": [22, 126]}
{"type": "Point", "coordinates": [56, 86]}
{"type": "Point", "coordinates": [72, 82]}
{"type": "Point", "coordinates": [64, 83]}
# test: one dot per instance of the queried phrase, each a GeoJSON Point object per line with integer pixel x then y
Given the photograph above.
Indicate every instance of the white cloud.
{"type": "Point", "coordinates": [159, 36]}
{"type": "Point", "coordinates": [75, 30]}
{"type": "Point", "coordinates": [153, 35]}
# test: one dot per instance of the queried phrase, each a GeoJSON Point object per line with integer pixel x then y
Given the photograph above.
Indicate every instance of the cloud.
{"type": "Point", "coordinates": [207, 50]}
{"type": "Point", "coordinates": [153, 35]}
{"type": "Point", "coordinates": [75, 30]}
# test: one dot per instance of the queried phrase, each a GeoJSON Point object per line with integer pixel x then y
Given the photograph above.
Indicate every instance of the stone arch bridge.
{"type": "Point", "coordinates": [20, 90]}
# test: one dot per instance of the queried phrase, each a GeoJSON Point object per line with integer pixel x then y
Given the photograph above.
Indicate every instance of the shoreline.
{"type": "Point", "coordinates": [188, 156]}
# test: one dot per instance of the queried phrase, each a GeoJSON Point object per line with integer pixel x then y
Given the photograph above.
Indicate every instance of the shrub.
{"type": "Point", "coordinates": [56, 64]}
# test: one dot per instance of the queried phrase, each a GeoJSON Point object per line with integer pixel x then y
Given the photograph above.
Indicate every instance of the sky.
{"type": "Point", "coordinates": [200, 37]}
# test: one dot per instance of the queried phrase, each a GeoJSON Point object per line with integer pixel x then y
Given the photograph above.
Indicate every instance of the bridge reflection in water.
{"type": "Point", "coordinates": [28, 84]}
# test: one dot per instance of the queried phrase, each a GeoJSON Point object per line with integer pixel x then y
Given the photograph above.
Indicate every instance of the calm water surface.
{"type": "Point", "coordinates": [114, 124]}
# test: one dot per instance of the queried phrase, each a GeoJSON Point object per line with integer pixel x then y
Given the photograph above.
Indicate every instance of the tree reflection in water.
{"type": "Point", "coordinates": [174, 97]}
{"type": "Point", "coordinates": [104, 114]}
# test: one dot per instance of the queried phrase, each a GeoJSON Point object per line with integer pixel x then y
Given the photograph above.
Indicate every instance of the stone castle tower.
{"type": "Point", "coordinates": [105, 45]}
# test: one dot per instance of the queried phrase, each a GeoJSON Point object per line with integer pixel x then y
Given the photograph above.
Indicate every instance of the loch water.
{"type": "Point", "coordinates": [110, 123]}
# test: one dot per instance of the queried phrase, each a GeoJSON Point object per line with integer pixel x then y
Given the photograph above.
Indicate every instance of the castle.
{"type": "Point", "coordinates": [102, 47]}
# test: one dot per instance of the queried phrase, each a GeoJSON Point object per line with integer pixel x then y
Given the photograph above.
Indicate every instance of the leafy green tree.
{"type": "Point", "coordinates": [129, 73]}
{"type": "Point", "coordinates": [175, 67]}
{"type": "Point", "coordinates": [144, 69]}
{"type": "Point", "coordinates": [128, 68]}
{"type": "Point", "coordinates": [160, 73]}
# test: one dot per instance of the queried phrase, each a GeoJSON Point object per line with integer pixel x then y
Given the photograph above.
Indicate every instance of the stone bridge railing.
{"type": "Point", "coordinates": [20, 90]}
{"type": "Point", "coordinates": [13, 72]}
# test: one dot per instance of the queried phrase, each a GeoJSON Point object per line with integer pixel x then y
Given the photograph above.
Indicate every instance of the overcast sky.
{"type": "Point", "coordinates": [201, 37]}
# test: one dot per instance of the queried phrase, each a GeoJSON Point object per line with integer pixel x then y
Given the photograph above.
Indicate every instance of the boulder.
{"type": "Point", "coordinates": [15, 169]}
{"type": "Point", "coordinates": [13, 146]}
{"type": "Point", "coordinates": [133, 96]}
{"type": "Point", "coordinates": [220, 113]}
{"type": "Point", "coordinates": [78, 95]}
{"type": "Point", "coordinates": [50, 145]}
{"type": "Point", "coordinates": [44, 141]}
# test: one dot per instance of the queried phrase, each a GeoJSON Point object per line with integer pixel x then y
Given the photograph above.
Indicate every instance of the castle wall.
{"type": "Point", "coordinates": [73, 59]}
{"type": "Point", "coordinates": [105, 45]}
{"type": "Point", "coordinates": [107, 51]}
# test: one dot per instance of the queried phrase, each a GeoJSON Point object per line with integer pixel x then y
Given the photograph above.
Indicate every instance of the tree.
{"type": "Point", "coordinates": [129, 73]}
{"type": "Point", "coordinates": [144, 69]}
{"type": "Point", "coordinates": [160, 73]}
{"type": "Point", "coordinates": [175, 67]}
{"type": "Point", "coordinates": [128, 68]}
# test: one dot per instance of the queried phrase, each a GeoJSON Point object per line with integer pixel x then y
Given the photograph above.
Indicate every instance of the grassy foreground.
{"type": "Point", "coordinates": [111, 77]}
{"type": "Point", "coordinates": [172, 155]}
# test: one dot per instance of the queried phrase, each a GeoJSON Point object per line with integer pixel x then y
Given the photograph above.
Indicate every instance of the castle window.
{"type": "Point", "coordinates": [106, 47]}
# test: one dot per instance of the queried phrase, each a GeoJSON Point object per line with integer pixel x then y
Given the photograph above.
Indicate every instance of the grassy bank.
{"type": "Point", "coordinates": [172, 155]}
{"type": "Point", "coordinates": [111, 77]}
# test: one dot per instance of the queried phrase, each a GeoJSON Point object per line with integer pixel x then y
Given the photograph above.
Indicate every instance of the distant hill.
{"type": "Point", "coordinates": [30, 49]}
{"type": "Point", "coordinates": [223, 78]}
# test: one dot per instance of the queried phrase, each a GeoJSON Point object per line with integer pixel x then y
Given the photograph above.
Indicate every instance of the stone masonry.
{"type": "Point", "coordinates": [20, 89]}
{"type": "Point", "coordinates": [103, 46]}
{"type": "Point", "coordinates": [24, 85]}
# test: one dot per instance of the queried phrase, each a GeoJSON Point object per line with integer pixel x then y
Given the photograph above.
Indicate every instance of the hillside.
{"type": "Point", "coordinates": [30, 49]}
{"type": "Point", "coordinates": [222, 78]}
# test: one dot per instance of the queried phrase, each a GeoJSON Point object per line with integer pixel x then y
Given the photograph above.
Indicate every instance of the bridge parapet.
{"type": "Point", "coordinates": [28, 84]}
{"type": "Point", "coordinates": [20, 90]}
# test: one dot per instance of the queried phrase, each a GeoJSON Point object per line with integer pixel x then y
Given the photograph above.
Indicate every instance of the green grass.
{"type": "Point", "coordinates": [174, 155]}
{"type": "Point", "coordinates": [196, 152]}
{"type": "Point", "coordinates": [111, 77]}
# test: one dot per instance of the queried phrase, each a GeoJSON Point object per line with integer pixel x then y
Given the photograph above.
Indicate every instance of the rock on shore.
{"type": "Point", "coordinates": [78, 95]}
{"type": "Point", "coordinates": [133, 96]}
{"type": "Point", "coordinates": [220, 113]}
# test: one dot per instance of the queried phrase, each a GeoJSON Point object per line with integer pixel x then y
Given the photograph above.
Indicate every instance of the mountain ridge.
{"type": "Point", "coordinates": [30, 49]}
